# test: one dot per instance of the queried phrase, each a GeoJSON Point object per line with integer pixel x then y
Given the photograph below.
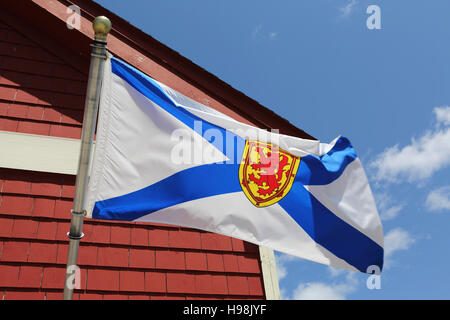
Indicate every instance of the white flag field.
{"type": "Point", "coordinates": [162, 157]}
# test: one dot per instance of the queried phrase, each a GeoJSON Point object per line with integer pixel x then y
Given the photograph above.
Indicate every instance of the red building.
{"type": "Point", "coordinates": [43, 73]}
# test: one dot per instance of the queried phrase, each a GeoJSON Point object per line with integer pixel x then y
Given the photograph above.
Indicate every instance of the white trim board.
{"type": "Point", "coordinates": [269, 271]}
{"type": "Point", "coordinates": [39, 153]}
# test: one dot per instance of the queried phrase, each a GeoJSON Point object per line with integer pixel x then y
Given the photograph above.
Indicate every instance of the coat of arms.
{"type": "Point", "coordinates": [266, 172]}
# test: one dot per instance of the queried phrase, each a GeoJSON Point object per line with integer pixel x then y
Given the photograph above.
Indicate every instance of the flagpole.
{"type": "Point", "coordinates": [101, 26]}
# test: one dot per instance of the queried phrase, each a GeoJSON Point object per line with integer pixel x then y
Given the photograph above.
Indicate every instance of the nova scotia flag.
{"type": "Point", "coordinates": [162, 157]}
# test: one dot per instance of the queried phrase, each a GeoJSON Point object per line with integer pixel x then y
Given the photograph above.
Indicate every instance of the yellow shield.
{"type": "Point", "coordinates": [266, 173]}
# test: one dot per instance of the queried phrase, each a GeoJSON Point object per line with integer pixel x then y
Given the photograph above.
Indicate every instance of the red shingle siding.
{"type": "Point", "coordinates": [41, 94]}
{"type": "Point", "coordinates": [32, 239]}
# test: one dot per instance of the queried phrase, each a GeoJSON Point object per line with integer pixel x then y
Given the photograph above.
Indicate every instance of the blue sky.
{"type": "Point", "coordinates": [318, 65]}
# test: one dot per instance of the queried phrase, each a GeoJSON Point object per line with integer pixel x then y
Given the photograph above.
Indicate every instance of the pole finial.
{"type": "Point", "coordinates": [101, 26]}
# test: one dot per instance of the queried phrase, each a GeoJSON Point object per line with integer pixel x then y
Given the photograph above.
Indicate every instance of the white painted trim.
{"type": "Point", "coordinates": [269, 273]}
{"type": "Point", "coordinates": [39, 153]}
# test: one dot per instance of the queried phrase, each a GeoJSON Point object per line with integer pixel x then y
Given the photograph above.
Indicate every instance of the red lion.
{"type": "Point", "coordinates": [270, 173]}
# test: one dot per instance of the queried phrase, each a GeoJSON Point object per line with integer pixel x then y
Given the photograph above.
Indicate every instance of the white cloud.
{"type": "Point", "coordinates": [318, 291]}
{"type": "Point", "coordinates": [443, 115]}
{"type": "Point", "coordinates": [258, 32]}
{"type": "Point", "coordinates": [421, 158]}
{"type": "Point", "coordinates": [387, 208]}
{"type": "Point", "coordinates": [347, 10]}
{"type": "Point", "coordinates": [396, 240]}
{"type": "Point", "coordinates": [281, 259]}
{"type": "Point", "coordinates": [439, 199]}
{"type": "Point", "coordinates": [391, 212]}
{"type": "Point", "coordinates": [281, 270]}
{"type": "Point", "coordinates": [335, 271]}
{"type": "Point", "coordinates": [323, 291]}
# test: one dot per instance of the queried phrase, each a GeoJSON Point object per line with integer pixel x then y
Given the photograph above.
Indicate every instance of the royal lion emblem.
{"type": "Point", "coordinates": [266, 173]}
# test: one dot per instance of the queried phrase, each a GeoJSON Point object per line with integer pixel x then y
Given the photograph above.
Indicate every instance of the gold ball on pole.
{"type": "Point", "coordinates": [101, 26]}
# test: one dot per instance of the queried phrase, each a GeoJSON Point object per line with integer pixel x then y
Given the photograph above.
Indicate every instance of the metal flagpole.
{"type": "Point", "coordinates": [101, 26]}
